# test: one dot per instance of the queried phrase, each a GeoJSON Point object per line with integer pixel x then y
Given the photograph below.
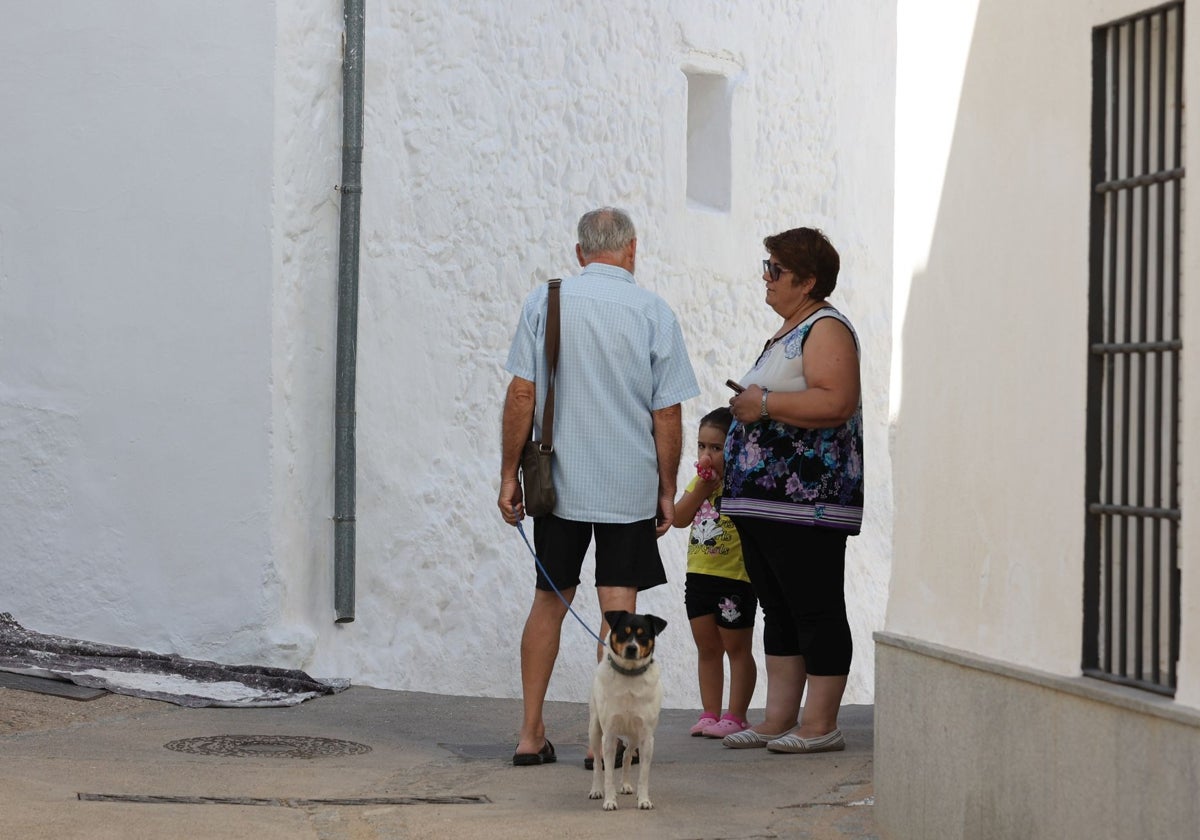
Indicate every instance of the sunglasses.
{"type": "Point", "coordinates": [773, 270]}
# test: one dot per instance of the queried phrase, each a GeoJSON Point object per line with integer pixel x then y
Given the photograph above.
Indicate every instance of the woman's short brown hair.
{"type": "Point", "coordinates": [807, 252]}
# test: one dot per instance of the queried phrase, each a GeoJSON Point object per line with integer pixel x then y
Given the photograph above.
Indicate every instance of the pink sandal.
{"type": "Point", "coordinates": [727, 725]}
{"type": "Point", "coordinates": [706, 720]}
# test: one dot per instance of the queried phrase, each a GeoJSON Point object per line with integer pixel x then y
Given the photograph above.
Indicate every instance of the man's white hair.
{"type": "Point", "coordinates": [605, 230]}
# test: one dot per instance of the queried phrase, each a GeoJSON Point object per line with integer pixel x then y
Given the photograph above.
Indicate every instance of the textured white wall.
{"type": "Point", "coordinates": [167, 398]}
{"type": "Point", "coordinates": [991, 259]}
{"type": "Point", "coordinates": [307, 167]}
{"type": "Point", "coordinates": [489, 130]}
{"type": "Point", "coordinates": [134, 313]}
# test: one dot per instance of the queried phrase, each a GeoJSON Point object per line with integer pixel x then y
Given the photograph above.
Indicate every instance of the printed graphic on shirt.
{"type": "Point", "coordinates": [707, 530]}
{"type": "Point", "coordinates": [714, 547]}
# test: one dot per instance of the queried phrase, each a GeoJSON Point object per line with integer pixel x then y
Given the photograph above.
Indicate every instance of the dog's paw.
{"type": "Point", "coordinates": [626, 787]}
{"type": "Point", "coordinates": [645, 805]}
{"type": "Point", "coordinates": [595, 793]}
{"type": "Point", "coordinates": [610, 804]}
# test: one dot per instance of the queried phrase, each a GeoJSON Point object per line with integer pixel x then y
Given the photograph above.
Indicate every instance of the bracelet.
{"type": "Point", "coordinates": [762, 415]}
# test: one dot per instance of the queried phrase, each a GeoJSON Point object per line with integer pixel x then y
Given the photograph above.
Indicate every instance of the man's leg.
{"type": "Point", "coordinates": [613, 598]}
{"type": "Point", "coordinates": [539, 650]}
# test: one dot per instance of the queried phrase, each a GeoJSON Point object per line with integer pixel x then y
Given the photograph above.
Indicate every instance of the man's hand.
{"type": "Point", "coordinates": [511, 501]}
{"type": "Point", "coordinates": [666, 515]}
{"type": "Point", "coordinates": [668, 438]}
{"type": "Point", "coordinates": [515, 425]}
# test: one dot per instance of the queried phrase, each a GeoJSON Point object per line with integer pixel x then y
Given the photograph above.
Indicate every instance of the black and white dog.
{"type": "Point", "coordinates": [626, 699]}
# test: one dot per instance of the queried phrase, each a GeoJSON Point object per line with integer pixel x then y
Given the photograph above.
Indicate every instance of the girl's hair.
{"type": "Point", "coordinates": [719, 418]}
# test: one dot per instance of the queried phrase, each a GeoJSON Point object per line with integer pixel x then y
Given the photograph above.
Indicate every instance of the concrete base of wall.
{"type": "Point", "coordinates": [972, 748]}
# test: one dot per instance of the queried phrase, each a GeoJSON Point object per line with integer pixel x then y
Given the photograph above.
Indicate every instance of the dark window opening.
{"type": "Point", "coordinates": [1131, 547]}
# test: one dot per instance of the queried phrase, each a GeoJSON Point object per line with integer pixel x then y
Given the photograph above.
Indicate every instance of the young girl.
{"type": "Point", "coordinates": [719, 598]}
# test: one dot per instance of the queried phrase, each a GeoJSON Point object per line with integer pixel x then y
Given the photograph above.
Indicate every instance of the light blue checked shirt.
{"type": "Point", "coordinates": [621, 356]}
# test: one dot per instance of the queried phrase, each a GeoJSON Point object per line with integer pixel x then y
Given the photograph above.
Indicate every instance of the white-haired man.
{"type": "Point", "coordinates": [623, 372]}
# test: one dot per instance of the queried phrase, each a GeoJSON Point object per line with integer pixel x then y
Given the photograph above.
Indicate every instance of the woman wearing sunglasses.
{"type": "Point", "coordinates": [794, 489]}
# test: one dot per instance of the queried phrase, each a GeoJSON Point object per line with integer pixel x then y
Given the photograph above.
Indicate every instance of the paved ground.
{"type": "Point", "coordinates": [437, 767]}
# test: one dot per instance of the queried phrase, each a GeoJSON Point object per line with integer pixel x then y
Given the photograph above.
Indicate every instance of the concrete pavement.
{"type": "Point", "coordinates": [436, 767]}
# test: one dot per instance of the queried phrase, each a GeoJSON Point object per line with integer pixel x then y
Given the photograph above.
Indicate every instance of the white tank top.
{"type": "Point", "coordinates": [780, 366]}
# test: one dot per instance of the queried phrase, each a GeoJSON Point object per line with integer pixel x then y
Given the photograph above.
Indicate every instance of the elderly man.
{"type": "Point", "coordinates": [623, 371]}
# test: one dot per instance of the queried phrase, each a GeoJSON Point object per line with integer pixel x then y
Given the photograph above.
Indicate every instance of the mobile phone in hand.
{"type": "Point", "coordinates": [737, 389]}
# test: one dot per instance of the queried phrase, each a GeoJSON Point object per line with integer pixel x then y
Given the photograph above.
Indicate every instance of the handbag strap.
{"type": "Point", "coordinates": [552, 335]}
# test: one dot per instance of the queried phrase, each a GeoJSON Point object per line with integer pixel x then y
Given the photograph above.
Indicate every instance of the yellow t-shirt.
{"type": "Point", "coordinates": [714, 547]}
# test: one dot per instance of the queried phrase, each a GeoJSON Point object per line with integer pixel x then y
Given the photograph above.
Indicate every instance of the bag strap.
{"type": "Point", "coordinates": [552, 335]}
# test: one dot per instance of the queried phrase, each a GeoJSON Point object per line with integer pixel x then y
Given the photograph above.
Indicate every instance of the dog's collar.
{"type": "Point", "coordinates": [629, 672]}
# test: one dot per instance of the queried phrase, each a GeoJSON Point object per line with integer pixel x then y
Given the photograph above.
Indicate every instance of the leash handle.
{"type": "Point", "coordinates": [555, 588]}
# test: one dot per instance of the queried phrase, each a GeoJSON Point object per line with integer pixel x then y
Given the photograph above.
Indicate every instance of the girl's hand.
{"type": "Point", "coordinates": [704, 469]}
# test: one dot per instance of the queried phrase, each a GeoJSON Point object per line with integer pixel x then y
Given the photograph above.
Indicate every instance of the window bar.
{"type": "Point", "coordinates": [1136, 346]}
{"type": "Point", "coordinates": [1161, 7]}
{"type": "Point", "coordinates": [1110, 334]}
{"type": "Point", "coordinates": [1140, 617]}
{"type": "Point", "coordinates": [1160, 263]}
{"type": "Point", "coordinates": [1177, 116]}
{"type": "Point", "coordinates": [1169, 514]}
{"type": "Point", "coordinates": [1126, 359]}
{"type": "Point", "coordinates": [1140, 180]}
{"type": "Point", "coordinates": [1096, 361]}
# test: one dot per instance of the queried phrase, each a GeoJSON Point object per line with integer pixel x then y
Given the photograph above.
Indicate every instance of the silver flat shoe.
{"type": "Point", "coordinates": [793, 743]}
{"type": "Point", "coordinates": [747, 739]}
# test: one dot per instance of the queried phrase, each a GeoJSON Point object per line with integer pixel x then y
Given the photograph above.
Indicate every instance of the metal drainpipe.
{"type": "Point", "coordinates": [347, 311]}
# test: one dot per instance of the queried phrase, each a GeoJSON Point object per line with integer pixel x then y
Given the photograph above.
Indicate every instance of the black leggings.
{"type": "Point", "coordinates": [798, 573]}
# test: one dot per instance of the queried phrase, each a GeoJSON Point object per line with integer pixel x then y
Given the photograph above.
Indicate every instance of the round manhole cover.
{"type": "Point", "coordinates": [269, 746]}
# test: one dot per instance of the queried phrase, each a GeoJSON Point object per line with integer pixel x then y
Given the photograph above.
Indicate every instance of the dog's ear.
{"type": "Point", "coordinates": [614, 617]}
{"type": "Point", "coordinates": [659, 624]}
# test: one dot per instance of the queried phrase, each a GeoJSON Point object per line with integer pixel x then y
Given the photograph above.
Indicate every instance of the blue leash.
{"type": "Point", "coordinates": [555, 588]}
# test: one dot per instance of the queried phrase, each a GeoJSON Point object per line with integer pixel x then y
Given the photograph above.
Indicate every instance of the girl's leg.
{"type": "Point", "coordinates": [743, 672]}
{"type": "Point", "coordinates": [710, 662]}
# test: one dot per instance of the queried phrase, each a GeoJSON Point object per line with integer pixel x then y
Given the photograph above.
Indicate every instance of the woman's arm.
{"type": "Point", "coordinates": [831, 371]}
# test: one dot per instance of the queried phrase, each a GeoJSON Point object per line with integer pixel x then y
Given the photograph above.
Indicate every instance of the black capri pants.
{"type": "Point", "coordinates": [799, 573]}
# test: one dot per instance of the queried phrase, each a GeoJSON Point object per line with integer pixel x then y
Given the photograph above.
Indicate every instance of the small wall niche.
{"type": "Point", "coordinates": [709, 143]}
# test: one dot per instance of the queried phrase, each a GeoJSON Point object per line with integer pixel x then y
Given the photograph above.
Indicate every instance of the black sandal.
{"type": "Point", "coordinates": [544, 756]}
{"type": "Point", "coordinates": [590, 763]}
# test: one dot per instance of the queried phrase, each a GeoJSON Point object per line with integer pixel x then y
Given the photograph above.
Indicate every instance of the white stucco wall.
{"type": "Point", "coordinates": [135, 305]}
{"type": "Point", "coordinates": [489, 131]}
{"type": "Point", "coordinates": [490, 128]}
{"type": "Point", "coordinates": [991, 257]}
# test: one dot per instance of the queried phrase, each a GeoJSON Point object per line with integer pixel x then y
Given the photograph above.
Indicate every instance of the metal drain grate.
{"type": "Point", "coordinates": [267, 746]}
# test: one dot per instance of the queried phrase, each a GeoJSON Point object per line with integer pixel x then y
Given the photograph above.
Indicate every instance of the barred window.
{"type": "Point", "coordinates": [1131, 548]}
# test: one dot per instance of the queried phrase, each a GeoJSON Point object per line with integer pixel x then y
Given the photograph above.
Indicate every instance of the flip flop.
{"type": "Point", "coordinates": [544, 756]}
